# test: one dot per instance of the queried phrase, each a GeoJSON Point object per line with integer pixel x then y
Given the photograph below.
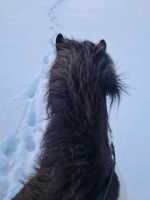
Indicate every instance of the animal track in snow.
{"type": "Point", "coordinates": [32, 116]}
{"type": "Point", "coordinates": [9, 145]}
{"type": "Point", "coordinates": [32, 90]}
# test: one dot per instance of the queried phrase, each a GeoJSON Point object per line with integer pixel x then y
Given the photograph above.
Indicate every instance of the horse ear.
{"type": "Point", "coordinates": [59, 38]}
{"type": "Point", "coordinates": [101, 46]}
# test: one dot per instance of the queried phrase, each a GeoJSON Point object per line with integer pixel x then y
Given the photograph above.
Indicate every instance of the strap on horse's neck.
{"type": "Point", "coordinates": [103, 194]}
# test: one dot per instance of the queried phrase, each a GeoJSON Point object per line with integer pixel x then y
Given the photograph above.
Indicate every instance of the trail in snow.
{"type": "Point", "coordinates": [18, 152]}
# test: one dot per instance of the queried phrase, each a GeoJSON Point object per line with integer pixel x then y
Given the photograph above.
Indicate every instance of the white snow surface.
{"type": "Point", "coordinates": [27, 35]}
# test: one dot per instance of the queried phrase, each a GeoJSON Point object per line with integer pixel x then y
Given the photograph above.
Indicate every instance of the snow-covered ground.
{"type": "Point", "coordinates": [27, 33]}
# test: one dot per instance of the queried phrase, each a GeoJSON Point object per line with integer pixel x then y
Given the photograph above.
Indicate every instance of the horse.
{"type": "Point", "coordinates": [77, 158]}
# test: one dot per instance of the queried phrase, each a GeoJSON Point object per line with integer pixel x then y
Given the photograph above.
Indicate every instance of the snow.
{"type": "Point", "coordinates": [27, 35]}
{"type": "Point", "coordinates": [30, 52]}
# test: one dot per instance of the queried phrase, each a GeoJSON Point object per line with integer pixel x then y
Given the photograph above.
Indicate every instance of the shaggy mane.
{"type": "Point", "coordinates": [75, 158]}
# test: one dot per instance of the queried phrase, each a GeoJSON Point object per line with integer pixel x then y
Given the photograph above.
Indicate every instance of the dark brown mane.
{"type": "Point", "coordinates": [75, 156]}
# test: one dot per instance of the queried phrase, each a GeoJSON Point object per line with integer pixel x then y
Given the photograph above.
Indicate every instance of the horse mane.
{"type": "Point", "coordinates": [75, 156]}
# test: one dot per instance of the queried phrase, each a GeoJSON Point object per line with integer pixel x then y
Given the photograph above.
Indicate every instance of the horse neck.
{"type": "Point", "coordinates": [103, 158]}
{"type": "Point", "coordinates": [75, 146]}
{"type": "Point", "coordinates": [95, 133]}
